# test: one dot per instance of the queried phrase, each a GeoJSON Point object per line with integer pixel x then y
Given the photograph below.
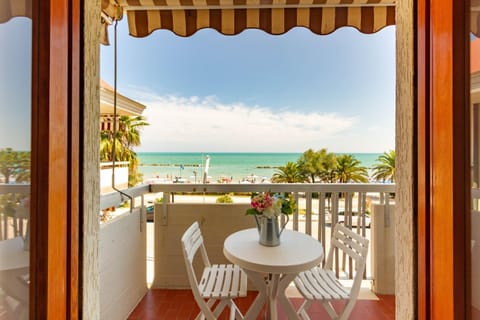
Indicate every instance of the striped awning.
{"type": "Point", "coordinates": [15, 8]}
{"type": "Point", "coordinates": [230, 17]}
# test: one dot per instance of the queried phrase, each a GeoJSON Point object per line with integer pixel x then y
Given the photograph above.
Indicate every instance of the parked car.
{"type": "Point", "coordinates": [150, 208]}
{"type": "Point", "coordinates": [355, 219]}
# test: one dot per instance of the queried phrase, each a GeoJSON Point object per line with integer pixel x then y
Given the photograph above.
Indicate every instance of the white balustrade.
{"type": "Point", "coordinates": [14, 210]}
{"type": "Point", "coordinates": [319, 206]}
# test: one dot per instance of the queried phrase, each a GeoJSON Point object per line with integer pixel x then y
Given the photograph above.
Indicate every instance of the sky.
{"type": "Point", "coordinates": [255, 92]}
{"type": "Point", "coordinates": [252, 92]}
{"type": "Point", "coordinates": [15, 83]}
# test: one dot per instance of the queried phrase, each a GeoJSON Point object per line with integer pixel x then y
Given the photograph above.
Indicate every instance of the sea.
{"type": "Point", "coordinates": [222, 167]}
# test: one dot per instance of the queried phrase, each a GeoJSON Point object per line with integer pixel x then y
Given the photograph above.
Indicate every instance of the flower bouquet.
{"type": "Point", "coordinates": [271, 205]}
{"type": "Point", "coordinates": [266, 208]}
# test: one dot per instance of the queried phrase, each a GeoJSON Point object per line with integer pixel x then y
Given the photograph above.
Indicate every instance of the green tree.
{"type": "Point", "coordinates": [290, 173]}
{"type": "Point", "coordinates": [226, 198]}
{"type": "Point", "coordinates": [349, 169]}
{"type": "Point", "coordinates": [329, 165]}
{"type": "Point", "coordinates": [384, 169]}
{"type": "Point", "coordinates": [318, 164]}
{"type": "Point", "coordinates": [309, 164]}
{"type": "Point", "coordinates": [15, 164]}
{"type": "Point", "coordinates": [127, 137]}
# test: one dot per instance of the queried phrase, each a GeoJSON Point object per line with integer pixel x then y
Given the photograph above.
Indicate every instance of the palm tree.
{"type": "Point", "coordinates": [290, 173]}
{"type": "Point", "coordinates": [129, 133]}
{"type": "Point", "coordinates": [22, 173]}
{"type": "Point", "coordinates": [317, 164]}
{"type": "Point", "coordinates": [349, 169]}
{"type": "Point", "coordinates": [384, 169]}
{"type": "Point", "coordinates": [329, 166]}
{"type": "Point", "coordinates": [126, 138]}
{"type": "Point", "coordinates": [308, 164]}
{"type": "Point", "coordinates": [15, 164]}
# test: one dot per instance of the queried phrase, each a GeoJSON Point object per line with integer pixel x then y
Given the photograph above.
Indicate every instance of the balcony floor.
{"type": "Point", "coordinates": [179, 304]}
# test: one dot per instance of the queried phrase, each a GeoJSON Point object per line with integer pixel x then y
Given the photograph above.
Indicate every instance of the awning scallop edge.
{"type": "Point", "coordinates": [15, 8]}
{"type": "Point", "coordinates": [185, 17]}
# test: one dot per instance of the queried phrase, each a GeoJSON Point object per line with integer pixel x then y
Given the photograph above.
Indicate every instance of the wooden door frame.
{"type": "Point", "coordinates": [443, 146]}
{"type": "Point", "coordinates": [55, 183]}
{"type": "Point", "coordinates": [442, 199]}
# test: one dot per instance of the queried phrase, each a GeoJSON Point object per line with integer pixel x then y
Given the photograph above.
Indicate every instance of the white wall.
{"type": "Point", "coordinates": [122, 265]}
{"type": "Point", "coordinates": [121, 179]}
{"type": "Point", "coordinates": [383, 247]}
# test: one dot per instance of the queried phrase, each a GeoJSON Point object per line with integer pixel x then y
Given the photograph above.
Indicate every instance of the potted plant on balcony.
{"type": "Point", "coordinates": [266, 208]}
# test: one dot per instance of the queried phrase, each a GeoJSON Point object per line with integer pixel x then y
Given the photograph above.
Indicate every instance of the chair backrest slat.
{"type": "Point", "coordinates": [191, 241]}
{"type": "Point", "coordinates": [353, 249]}
{"type": "Point", "coordinates": [351, 243]}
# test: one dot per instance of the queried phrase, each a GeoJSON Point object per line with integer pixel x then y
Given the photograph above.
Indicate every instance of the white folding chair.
{"type": "Point", "coordinates": [218, 282]}
{"type": "Point", "coordinates": [322, 285]}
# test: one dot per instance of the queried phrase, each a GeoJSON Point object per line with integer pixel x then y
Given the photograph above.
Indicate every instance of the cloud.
{"type": "Point", "coordinates": [204, 124]}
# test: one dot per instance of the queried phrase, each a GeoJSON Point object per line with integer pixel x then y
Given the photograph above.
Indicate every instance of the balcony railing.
{"type": "Point", "coordinates": [14, 210]}
{"type": "Point", "coordinates": [319, 207]}
{"type": "Point", "coordinates": [323, 201]}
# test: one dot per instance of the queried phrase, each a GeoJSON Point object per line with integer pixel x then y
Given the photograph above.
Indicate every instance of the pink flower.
{"type": "Point", "coordinates": [262, 202]}
{"type": "Point", "coordinates": [270, 206]}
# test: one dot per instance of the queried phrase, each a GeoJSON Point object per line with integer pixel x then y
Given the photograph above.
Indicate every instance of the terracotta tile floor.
{"type": "Point", "coordinates": [179, 304]}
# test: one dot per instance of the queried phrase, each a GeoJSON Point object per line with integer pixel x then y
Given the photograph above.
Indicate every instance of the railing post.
{"type": "Point", "coordinates": [348, 212]}
{"type": "Point", "coordinates": [387, 210]}
{"type": "Point", "coordinates": [334, 199]}
{"type": "Point", "coordinates": [142, 210]}
{"type": "Point", "coordinates": [348, 221]}
{"type": "Point", "coordinates": [3, 233]}
{"type": "Point", "coordinates": [308, 213]}
{"type": "Point", "coordinates": [164, 216]}
{"type": "Point", "coordinates": [295, 214]}
{"type": "Point", "coordinates": [132, 204]}
{"type": "Point", "coordinates": [334, 214]}
{"type": "Point", "coordinates": [362, 199]}
{"type": "Point", "coordinates": [321, 217]}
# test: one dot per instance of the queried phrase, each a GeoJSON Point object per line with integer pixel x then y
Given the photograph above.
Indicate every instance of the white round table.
{"type": "Point", "coordinates": [272, 269]}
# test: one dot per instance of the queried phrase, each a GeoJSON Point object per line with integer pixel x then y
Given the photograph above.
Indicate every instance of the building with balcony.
{"type": "Point", "coordinates": [125, 107]}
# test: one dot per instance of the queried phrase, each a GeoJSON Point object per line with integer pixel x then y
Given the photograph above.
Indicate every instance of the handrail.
{"type": "Point", "coordinates": [114, 199]}
{"type": "Point", "coordinates": [14, 188]}
{"type": "Point", "coordinates": [110, 163]}
{"type": "Point", "coordinates": [274, 187]}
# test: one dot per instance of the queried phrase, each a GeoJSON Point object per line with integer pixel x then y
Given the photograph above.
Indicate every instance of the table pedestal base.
{"type": "Point", "coordinates": [271, 288]}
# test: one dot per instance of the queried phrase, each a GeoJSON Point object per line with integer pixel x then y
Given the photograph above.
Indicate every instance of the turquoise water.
{"type": "Point", "coordinates": [235, 166]}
